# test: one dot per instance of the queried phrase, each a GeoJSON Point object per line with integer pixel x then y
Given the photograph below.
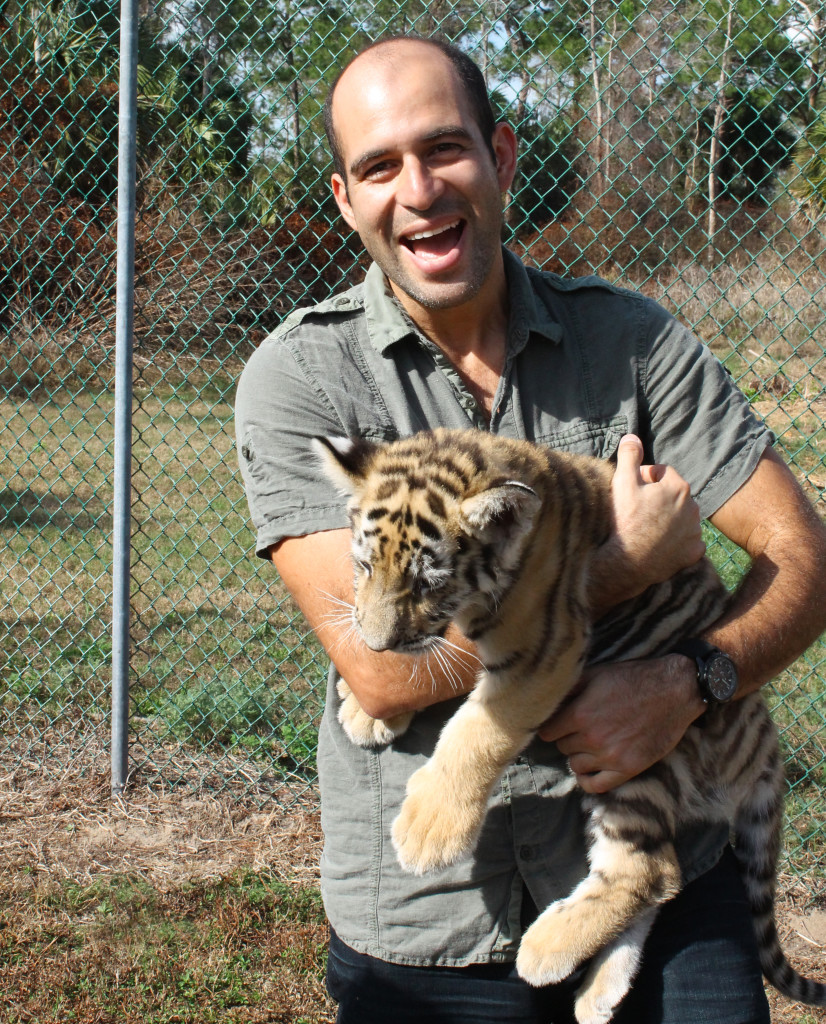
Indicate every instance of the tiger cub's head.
{"type": "Point", "coordinates": [437, 535]}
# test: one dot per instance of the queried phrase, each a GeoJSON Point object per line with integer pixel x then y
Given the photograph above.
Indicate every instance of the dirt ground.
{"type": "Point", "coordinates": [71, 829]}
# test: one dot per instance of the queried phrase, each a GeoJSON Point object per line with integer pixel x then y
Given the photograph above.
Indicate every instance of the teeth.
{"type": "Point", "coordinates": [429, 234]}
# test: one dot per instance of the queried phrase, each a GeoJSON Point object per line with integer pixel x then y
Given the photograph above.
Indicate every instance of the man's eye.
{"type": "Point", "coordinates": [446, 149]}
{"type": "Point", "coordinates": [378, 170]}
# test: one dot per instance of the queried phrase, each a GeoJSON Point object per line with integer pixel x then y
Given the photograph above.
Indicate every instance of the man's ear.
{"type": "Point", "coordinates": [504, 148]}
{"type": "Point", "coordinates": [342, 200]}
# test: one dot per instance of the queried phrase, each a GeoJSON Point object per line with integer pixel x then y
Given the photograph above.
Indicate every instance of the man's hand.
{"type": "Point", "coordinates": [657, 529]}
{"type": "Point", "coordinates": [624, 717]}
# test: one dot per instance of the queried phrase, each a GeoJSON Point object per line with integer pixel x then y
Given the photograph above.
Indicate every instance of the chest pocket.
{"type": "Point", "coordinates": [599, 440]}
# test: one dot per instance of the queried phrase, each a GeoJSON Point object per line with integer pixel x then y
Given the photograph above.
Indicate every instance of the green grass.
{"type": "Point", "coordinates": [220, 657]}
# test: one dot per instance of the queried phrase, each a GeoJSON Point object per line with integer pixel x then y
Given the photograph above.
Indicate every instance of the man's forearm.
{"type": "Point", "coordinates": [779, 610]}
{"type": "Point", "coordinates": [317, 571]}
{"type": "Point", "coordinates": [629, 715]}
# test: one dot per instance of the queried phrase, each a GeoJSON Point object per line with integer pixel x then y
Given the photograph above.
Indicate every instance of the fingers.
{"type": "Point", "coordinates": [601, 782]}
{"type": "Point", "coordinates": [592, 777]}
{"type": "Point", "coordinates": [629, 456]}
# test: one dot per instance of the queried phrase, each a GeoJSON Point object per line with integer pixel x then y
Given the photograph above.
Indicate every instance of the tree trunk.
{"type": "Point", "coordinates": [600, 150]}
{"type": "Point", "coordinates": [815, 83]}
{"type": "Point", "coordinates": [209, 47]}
{"type": "Point", "coordinates": [519, 47]}
{"type": "Point", "coordinates": [691, 174]}
{"type": "Point", "coordinates": [37, 40]}
{"type": "Point", "coordinates": [609, 121]}
{"type": "Point", "coordinates": [288, 44]}
{"type": "Point", "coordinates": [715, 149]}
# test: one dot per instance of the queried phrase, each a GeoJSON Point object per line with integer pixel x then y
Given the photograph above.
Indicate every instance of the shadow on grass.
{"type": "Point", "coordinates": [27, 508]}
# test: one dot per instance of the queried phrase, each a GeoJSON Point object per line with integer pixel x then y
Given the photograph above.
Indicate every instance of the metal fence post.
{"type": "Point", "coordinates": [124, 324]}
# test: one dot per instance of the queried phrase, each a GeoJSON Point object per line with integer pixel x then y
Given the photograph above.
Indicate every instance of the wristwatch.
{"type": "Point", "coordinates": [716, 672]}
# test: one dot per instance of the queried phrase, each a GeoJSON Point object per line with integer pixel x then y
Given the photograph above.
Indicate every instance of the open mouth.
{"type": "Point", "coordinates": [436, 243]}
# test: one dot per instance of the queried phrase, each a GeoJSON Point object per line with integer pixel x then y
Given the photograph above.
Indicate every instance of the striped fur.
{"type": "Point", "coordinates": [495, 535]}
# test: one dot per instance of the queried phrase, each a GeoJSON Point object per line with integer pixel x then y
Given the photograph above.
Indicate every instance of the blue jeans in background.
{"type": "Point", "coordinates": [700, 966]}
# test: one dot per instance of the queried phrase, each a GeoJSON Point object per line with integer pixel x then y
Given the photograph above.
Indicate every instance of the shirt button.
{"type": "Point", "coordinates": [526, 852]}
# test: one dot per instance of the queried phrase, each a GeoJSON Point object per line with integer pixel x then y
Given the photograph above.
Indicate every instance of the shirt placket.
{"type": "Point", "coordinates": [471, 407]}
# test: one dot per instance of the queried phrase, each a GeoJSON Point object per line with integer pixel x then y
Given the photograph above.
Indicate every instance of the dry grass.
{"type": "Point", "coordinates": [164, 907]}
{"type": "Point", "coordinates": [171, 906]}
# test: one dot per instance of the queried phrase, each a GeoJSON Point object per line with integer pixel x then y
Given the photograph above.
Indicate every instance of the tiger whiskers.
{"type": "Point", "coordinates": [342, 619]}
{"type": "Point", "coordinates": [463, 657]}
{"type": "Point", "coordinates": [452, 659]}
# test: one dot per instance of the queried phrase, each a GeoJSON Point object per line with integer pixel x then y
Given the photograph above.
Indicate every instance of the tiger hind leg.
{"type": "Point", "coordinates": [624, 881]}
{"type": "Point", "coordinates": [610, 976]}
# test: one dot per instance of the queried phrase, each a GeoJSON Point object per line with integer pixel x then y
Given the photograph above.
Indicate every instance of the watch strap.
{"type": "Point", "coordinates": [695, 648]}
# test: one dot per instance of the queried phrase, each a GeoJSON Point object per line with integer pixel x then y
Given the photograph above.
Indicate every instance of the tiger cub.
{"type": "Point", "coordinates": [495, 535]}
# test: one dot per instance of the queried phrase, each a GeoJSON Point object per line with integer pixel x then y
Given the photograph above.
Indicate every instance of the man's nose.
{"type": "Point", "coordinates": [417, 186]}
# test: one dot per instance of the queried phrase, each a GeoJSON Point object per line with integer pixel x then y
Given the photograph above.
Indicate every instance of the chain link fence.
{"type": "Point", "coordinates": [679, 149]}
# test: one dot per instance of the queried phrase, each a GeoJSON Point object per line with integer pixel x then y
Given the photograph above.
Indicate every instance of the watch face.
{"type": "Point", "coordinates": [721, 677]}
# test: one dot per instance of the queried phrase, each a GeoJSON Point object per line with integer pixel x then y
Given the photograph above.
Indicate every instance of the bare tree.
{"type": "Point", "coordinates": [721, 106]}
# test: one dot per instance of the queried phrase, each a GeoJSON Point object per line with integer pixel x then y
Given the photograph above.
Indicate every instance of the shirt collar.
{"type": "Point", "coordinates": [387, 323]}
{"type": "Point", "coordinates": [528, 314]}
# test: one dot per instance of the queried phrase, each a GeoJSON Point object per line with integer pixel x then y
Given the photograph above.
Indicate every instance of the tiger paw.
{"type": "Point", "coordinates": [595, 1006]}
{"type": "Point", "coordinates": [433, 828]}
{"type": "Point", "coordinates": [363, 730]}
{"type": "Point", "coordinates": [543, 959]}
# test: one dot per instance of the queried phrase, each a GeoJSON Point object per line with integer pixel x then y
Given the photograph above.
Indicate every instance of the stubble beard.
{"type": "Point", "coordinates": [438, 295]}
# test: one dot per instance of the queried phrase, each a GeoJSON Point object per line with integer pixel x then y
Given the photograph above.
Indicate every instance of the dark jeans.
{"type": "Point", "coordinates": [700, 967]}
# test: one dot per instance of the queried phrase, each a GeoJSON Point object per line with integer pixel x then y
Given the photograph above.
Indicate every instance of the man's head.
{"type": "Point", "coordinates": [421, 169]}
{"type": "Point", "coordinates": [467, 73]}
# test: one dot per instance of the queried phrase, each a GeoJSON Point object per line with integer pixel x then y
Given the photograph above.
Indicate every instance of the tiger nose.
{"type": "Point", "coordinates": [381, 635]}
{"type": "Point", "coordinates": [382, 643]}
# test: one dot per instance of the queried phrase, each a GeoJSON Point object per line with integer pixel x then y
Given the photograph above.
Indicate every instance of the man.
{"type": "Point", "coordinates": [449, 329]}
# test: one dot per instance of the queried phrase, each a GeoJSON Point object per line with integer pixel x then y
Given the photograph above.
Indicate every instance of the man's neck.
{"type": "Point", "coordinates": [473, 336]}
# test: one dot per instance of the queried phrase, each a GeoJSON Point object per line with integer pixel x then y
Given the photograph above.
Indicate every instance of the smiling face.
{"type": "Point", "coordinates": [422, 187]}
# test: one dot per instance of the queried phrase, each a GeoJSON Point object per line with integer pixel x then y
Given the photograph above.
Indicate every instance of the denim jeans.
{"type": "Point", "coordinates": [700, 966]}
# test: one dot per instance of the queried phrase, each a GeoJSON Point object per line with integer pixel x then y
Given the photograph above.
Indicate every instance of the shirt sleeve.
{"type": "Point", "coordinates": [278, 410]}
{"type": "Point", "coordinates": [700, 422]}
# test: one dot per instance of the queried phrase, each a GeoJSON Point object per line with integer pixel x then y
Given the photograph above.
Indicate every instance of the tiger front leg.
{"type": "Point", "coordinates": [447, 798]}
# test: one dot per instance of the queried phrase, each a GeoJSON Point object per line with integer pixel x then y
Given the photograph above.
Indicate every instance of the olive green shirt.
{"type": "Point", "coordinates": [586, 362]}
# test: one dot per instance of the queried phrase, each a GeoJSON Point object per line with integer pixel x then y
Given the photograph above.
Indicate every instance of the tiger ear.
{"type": "Point", "coordinates": [344, 460]}
{"type": "Point", "coordinates": [508, 508]}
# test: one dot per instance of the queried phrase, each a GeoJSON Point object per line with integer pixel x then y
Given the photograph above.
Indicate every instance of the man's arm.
{"type": "Point", "coordinates": [627, 716]}
{"type": "Point", "coordinates": [659, 534]}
